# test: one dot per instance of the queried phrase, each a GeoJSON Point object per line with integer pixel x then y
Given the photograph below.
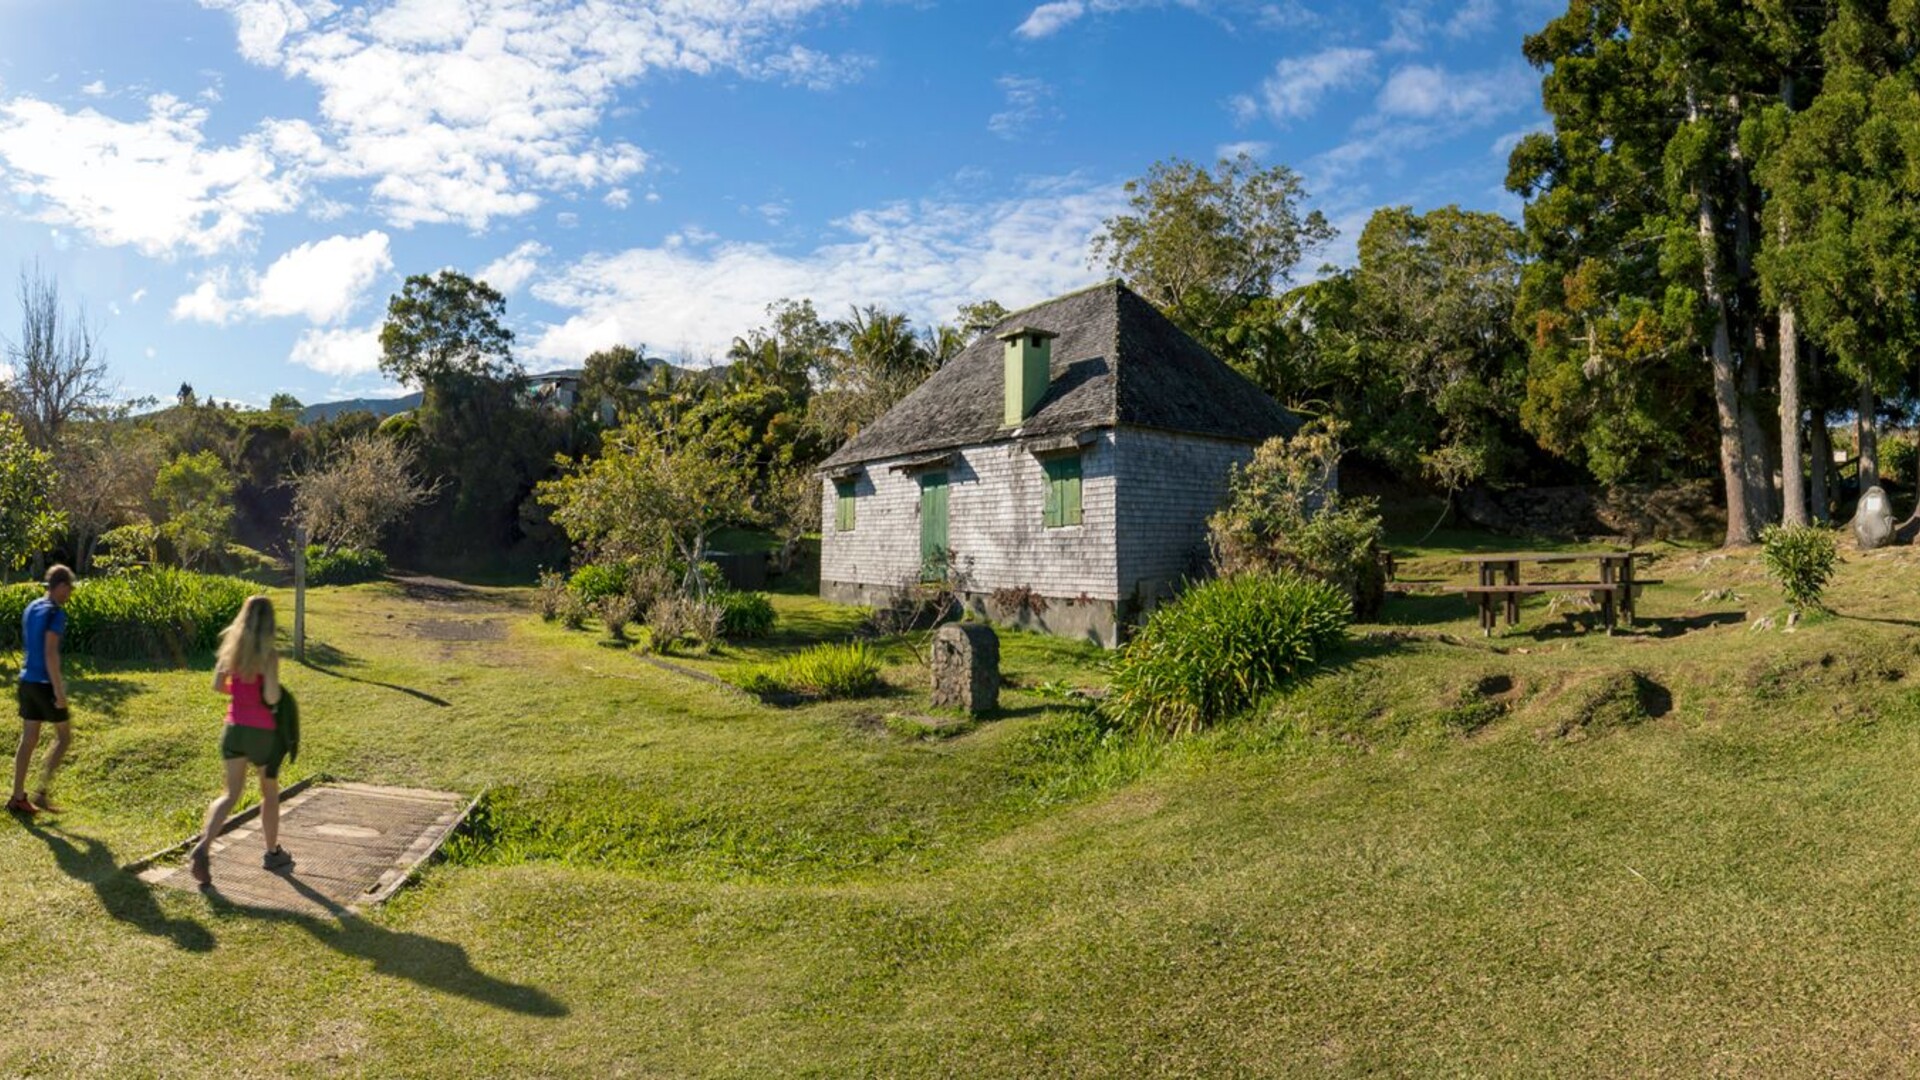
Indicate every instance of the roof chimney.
{"type": "Point", "coordinates": [1029, 359]}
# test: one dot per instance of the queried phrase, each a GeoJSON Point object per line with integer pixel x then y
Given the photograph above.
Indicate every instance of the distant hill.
{"type": "Point", "coordinates": [380, 407]}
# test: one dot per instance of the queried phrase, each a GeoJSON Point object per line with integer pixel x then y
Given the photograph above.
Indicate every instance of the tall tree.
{"type": "Point", "coordinates": [194, 492]}
{"type": "Point", "coordinates": [28, 522]}
{"type": "Point", "coordinates": [1434, 297]}
{"type": "Point", "coordinates": [1642, 218]}
{"type": "Point", "coordinates": [59, 372]}
{"type": "Point", "coordinates": [611, 380]}
{"type": "Point", "coordinates": [654, 494]}
{"type": "Point", "coordinates": [1844, 178]}
{"type": "Point", "coordinates": [443, 326]}
{"type": "Point", "coordinates": [1204, 243]}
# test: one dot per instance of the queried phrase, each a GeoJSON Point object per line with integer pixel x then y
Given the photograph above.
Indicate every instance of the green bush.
{"type": "Point", "coordinates": [1897, 457]}
{"type": "Point", "coordinates": [744, 615]}
{"type": "Point", "coordinates": [1286, 513]}
{"type": "Point", "coordinates": [345, 566]}
{"type": "Point", "coordinates": [1213, 652]}
{"type": "Point", "coordinates": [821, 673]}
{"type": "Point", "coordinates": [1801, 559]}
{"type": "Point", "coordinates": [595, 582]}
{"type": "Point", "coordinates": [152, 614]}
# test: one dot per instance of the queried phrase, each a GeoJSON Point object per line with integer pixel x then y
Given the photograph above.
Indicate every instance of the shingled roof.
{"type": "Point", "coordinates": [1117, 361]}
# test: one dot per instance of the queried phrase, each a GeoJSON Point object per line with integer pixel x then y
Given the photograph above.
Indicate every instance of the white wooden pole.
{"type": "Point", "coordinates": [300, 594]}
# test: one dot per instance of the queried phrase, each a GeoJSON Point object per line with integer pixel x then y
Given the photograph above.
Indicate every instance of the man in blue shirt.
{"type": "Point", "coordinates": [43, 692]}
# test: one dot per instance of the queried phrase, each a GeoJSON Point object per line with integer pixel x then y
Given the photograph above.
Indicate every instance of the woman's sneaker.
{"type": "Point", "coordinates": [277, 859]}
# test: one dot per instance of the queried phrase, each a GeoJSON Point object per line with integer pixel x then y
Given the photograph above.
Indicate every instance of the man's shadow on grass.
{"type": "Point", "coordinates": [124, 897]}
{"type": "Point", "coordinates": [428, 962]}
{"type": "Point", "coordinates": [327, 660]}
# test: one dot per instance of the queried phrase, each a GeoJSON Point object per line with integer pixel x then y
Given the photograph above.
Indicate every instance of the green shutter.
{"type": "Point", "coordinates": [843, 509]}
{"type": "Point", "coordinates": [1063, 491]}
{"type": "Point", "coordinates": [933, 524]}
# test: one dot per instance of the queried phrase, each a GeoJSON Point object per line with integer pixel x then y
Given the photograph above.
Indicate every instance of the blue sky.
{"type": "Point", "coordinates": [234, 187]}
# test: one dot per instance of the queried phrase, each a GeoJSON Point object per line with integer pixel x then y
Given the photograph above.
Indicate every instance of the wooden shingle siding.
{"type": "Point", "coordinates": [996, 525]}
{"type": "Point", "coordinates": [1168, 485]}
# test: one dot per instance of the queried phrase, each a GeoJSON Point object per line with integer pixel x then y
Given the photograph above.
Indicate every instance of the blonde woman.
{"type": "Point", "coordinates": [247, 670]}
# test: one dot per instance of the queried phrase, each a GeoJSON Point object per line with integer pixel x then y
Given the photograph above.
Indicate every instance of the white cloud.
{"type": "Point", "coordinates": [138, 295]}
{"type": "Point", "coordinates": [469, 110]}
{"type": "Point", "coordinates": [618, 198]}
{"type": "Point", "coordinates": [1421, 92]}
{"type": "Point", "coordinates": [1253, 148]}
{"type": "Point", "coordinates": [96, 88]}
{"type": "Point", "coordinates": [923, 257]}
{"type": "Point", "coordinates": [1298, 84]}
{"type": "Point", "coordinates": [1414, 25]}
{"type": "Point", "coordinates": [339, 353]}
{"type": "Point", "coordinates": [512, 270]}
{"type": "Point", "coordinates": [323, 281]}
{"type": "Point", "coordinates": [152, 184]}
{"type": "Point", "coordinates": [1056, 15]}
{"type": "Point", "coordinates": [1029, 103]}
{"type": "Point", "coordinates": [1051, 18]}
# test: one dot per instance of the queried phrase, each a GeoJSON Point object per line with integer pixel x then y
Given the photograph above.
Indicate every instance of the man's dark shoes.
{"type": "Point", "coordinates": [277, 860]}
{"type": "Point", "coordinates": [44, 803]}
{"type": "Point", "coordinates": [19, 805]}
{"type": "Point", "coordinates": [200, 865]}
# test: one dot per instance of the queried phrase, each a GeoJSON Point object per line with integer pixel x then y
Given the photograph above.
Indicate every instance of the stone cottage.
{"type": "Point", "coordinates": [1063, 466]}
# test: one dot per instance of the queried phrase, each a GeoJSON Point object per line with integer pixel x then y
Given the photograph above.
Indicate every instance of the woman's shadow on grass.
{"type": "Point", "coordinates": [428, 962]}
{"type": "Point", "coordinates": [124, 897]}
{"type": "Point", "coordinates": [437, 965]}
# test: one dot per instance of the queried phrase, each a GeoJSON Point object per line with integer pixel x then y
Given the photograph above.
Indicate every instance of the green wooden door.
{"type": "Point", "coordinates": [933, 524]}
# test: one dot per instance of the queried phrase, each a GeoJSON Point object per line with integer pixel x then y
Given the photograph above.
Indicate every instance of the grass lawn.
{"type": "Point", "coordinates": [1687, 848]}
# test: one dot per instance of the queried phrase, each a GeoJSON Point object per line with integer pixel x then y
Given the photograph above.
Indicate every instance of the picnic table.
{"type": "Point", "coordinates": [1500, 586]}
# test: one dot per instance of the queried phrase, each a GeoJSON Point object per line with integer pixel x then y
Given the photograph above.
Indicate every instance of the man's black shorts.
{"type": "Point", "coordinates": [36, 703]}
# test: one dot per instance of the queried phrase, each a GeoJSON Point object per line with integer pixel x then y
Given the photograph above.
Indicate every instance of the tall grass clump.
{"type": "Point", "coordinates": [1801, 558]}
{"type": "Point", "coordinates": [744, 615]}
{"type": "Point", "coordinates": [157, 613]}
{"type": "Point", "coordinates": [1216, 650]}
{"type": "Point", "coordinates": [821, 673]}
{"type": "Point", "coordinates": [344, 566]}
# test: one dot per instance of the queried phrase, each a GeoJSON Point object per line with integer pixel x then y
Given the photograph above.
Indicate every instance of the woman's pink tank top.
{"type": "Point", "coordinates": [248, 708]}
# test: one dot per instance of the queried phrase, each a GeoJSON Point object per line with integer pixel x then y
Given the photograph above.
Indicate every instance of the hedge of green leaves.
{"type": "Point", "coordinates": [1213, 652]}
{"type": "Point", "coordinates": [744, 615]}
{"type": "Point", "coordinates": [153, 614]}
{"type": "Point", "coordinates": [345, 566]}
{"type": "Point", "coordinates": [597, 581]}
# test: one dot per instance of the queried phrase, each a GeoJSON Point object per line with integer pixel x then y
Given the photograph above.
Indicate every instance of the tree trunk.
{"type": "Point", "coordinates": [1762, 495]}
{"type": "Point", "coordinates": [1792, 490]}
{"type": "Point", "coordinates": [1726, 389]}
{"type": "Point", "coordinates": [1820, 449]}
{"type": "Point", "coordinates": [1867, 438]}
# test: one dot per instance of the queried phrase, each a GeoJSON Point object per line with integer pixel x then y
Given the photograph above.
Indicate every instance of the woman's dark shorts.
{"type": "Point", "coordinates": [36, 704]}
{"type": "Point", "coordinates": [258, 745]}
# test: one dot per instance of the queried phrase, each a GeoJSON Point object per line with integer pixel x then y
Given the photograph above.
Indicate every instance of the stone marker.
{"type": "Point", "coordinates": [1873, 521]}
{"type": "Point", "coordinates": [966, 668]}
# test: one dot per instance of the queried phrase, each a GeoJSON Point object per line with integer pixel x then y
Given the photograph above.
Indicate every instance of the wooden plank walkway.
{"type": "Point", "coordinates": [353, 846]}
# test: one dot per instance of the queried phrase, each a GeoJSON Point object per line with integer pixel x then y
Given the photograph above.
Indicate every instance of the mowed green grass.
{"type": "Point", "coordinates": [1695, 847]}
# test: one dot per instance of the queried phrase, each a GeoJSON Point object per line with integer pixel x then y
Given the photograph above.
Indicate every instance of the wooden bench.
{"type": "Point", "coordinates": [1608, 594]}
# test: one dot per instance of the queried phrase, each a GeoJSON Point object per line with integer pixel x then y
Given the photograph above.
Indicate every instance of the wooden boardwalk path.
{"type": "Point", "coordinates": [353, 845]}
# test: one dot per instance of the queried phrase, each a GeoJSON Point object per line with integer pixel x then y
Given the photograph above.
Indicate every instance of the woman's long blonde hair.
{"type": "Point", "coordinates": [246, 646]}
